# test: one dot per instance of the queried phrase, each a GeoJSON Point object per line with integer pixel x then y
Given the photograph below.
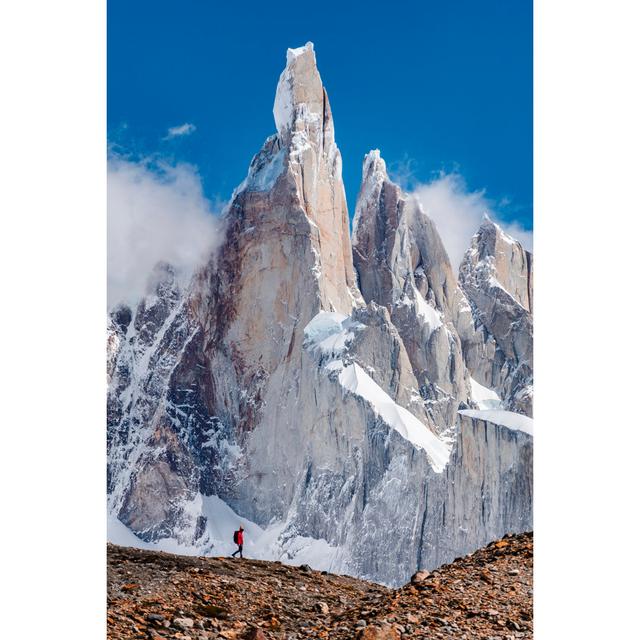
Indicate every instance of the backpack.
{"type": "Point", "coordinates": [235, 537]}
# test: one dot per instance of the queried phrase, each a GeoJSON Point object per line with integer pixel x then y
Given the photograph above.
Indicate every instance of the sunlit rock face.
{"type": "Point", "coordinates": [320, 412]}
{"type": "Point", "coordinates": [312, 159]}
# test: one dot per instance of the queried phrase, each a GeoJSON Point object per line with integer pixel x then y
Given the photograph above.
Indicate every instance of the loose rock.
{"type": "Point", "coordinates": [420, 576]}
{"type": "Point", "coordinates": [256, 600]}
{"type": "Point", "coordinates": [183, 623]}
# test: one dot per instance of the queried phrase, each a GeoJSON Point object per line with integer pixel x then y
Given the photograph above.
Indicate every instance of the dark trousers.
{"type": "Point", "coordinates": [239, 550]}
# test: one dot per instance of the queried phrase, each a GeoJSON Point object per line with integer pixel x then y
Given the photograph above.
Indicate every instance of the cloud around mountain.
{"type": "Point", "coordinates": [457, 213]}
{"type": "Point", "coordinates": [156, 211]}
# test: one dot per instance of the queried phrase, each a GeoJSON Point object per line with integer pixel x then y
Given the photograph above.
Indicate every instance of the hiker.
{"type": "Point", "coordinates": [238, 538]}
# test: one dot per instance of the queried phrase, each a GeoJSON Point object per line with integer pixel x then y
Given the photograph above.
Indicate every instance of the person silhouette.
{"type": "Point", "coordinates": [238, 538]}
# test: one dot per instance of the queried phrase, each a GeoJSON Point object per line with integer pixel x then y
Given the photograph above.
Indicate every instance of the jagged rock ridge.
{"type": "Point", "coordinates": [496, 274]}
{"type": "Point", "coordinates": [324, 414]}
{"type": "Point", "coordinates": [402, 265]}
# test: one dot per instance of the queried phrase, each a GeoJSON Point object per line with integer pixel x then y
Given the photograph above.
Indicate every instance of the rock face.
{"type": "Point", "coordinates": [276, 392]}
{"type": "Point", "coordinates": [402, 264]}
{"type": "Point", "coordinates": [497, 276]}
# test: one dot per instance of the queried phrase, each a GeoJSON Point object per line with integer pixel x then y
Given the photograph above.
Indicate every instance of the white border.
{"type": "Point", "coordinates": [53, 257]}
{"type": "Point", "coordinates": [52, 325]}
{"type": "Point", "coordinates": [586, 349]}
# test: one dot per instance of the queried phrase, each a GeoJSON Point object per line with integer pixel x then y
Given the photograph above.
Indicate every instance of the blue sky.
{"type": "Point", "coordinates": [436, 86]}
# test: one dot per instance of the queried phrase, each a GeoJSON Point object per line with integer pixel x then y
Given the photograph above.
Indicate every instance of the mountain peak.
{"type": "Point", "coordinates": [486, 220]}
{"type": "Point", "coordinates": [374, 174]}
{"type": "Point", "coordinates": [300, 91]}
{"type": "Point", "coordinates": [374, 165]}
{"type": "Point", "coordinates": [490, 233]}
{"type": "Point", "coordinates": [293, 54]}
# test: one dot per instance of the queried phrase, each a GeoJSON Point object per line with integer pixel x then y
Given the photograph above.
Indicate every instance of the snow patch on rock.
{"type": "Point", "coordinates": [484, 397]}
{"type": "Point", "coordinates": [330, 333]}
{"type": "Point", "coordinates": [283, 106]}
{"type": "Point", "coordinates": [356, 380]}
{"type": "Point", "coordinates": [374, 173]}
{"type": "Point", "coordinates": [509, 419]}
{"type": "Point", "coordinates": [292, 54]}
{"type": "Point", "coordinates": [430, 316]}
{"type": "Point", "coordinates": [265, 176]}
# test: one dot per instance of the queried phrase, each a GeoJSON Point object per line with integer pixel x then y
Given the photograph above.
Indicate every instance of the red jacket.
{"type": "Point", "coordinates": [240, 537]}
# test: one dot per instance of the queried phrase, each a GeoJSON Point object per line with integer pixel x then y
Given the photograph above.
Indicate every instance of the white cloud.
{"type": "Point", "coordinates": [457, 214]}
{"type": "Point", "coordinates": [185, 129]}
{"type": "Point", "coordinates": [155, 212]}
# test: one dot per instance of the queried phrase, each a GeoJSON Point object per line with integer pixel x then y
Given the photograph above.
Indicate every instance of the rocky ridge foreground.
{"type": "Point", "coordinates": [487, 594]}
{"type": "Point", "coordinates": [344, 398]}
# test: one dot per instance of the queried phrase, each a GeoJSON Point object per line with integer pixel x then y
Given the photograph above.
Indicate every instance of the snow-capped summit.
{"type": "Point", "coordinates": [300, 93]}
{"type": "Point", "coordinates": [374, 174]}
{"type": "Point", "coordinates": [304, 158]}
{"type": "Point", "coordinates": [373, 166]}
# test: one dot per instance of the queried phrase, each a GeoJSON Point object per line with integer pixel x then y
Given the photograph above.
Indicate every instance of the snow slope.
{"type": "Point", "coordinates": [275, 542]}
{"type": "Point", "coordinates": [330, 334]}
{"type": "Point", "coordinates": [355, 380]}
{"type": "Point", "coordinates": [509, 419]}
{"type": "Point", "coordinates": [484, 397]}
